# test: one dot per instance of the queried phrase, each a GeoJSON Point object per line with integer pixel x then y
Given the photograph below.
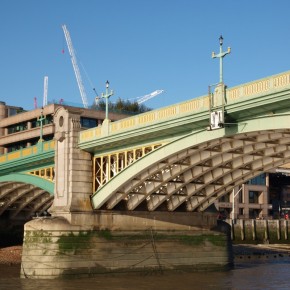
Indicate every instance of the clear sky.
{"type": "Point", "coordinates": [139, 46]}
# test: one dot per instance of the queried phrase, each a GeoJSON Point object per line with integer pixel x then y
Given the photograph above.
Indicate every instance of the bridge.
{"type": "Point", "coordinates": [26, 181]}
{"type": "Point", "coordinates": [173, 158]}
{"type": "Point", "coordinates": [179, 159]}
{"type": "Point", "coordinates": [167, 159]}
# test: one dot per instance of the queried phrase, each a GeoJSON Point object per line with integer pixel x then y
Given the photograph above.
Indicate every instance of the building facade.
{"type": "Point", "coordinates": [265, 197]}
{"type": "Point", "coordinates": [20, 129]}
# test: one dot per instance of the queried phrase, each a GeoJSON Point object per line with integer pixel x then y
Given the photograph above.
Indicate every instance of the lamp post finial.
{"type": "Point", "coordinates": [221, 55]}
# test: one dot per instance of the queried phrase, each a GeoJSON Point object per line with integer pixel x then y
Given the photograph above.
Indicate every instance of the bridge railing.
{"type": "Point", "coordinates": [262, 86]}
{"type": "Point", "coordinates": [148, 118]}
{"type": "Point", "coordinates": [233, 95]}
{"type": "Point", "coordinates": [27, 152]}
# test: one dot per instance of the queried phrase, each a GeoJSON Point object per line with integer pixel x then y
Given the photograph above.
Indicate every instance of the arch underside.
{"type": "Point", "coordinates": [23, 200]}
{"type": "Point", "coordinates": [194, 177]}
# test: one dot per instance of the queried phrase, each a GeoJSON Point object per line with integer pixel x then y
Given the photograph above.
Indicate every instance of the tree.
{"type": "Point", "coordinates": [121, 106]}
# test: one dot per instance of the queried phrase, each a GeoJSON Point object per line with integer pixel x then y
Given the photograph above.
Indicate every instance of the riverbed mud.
{"type": "Point", "coordinates": [10, 255]}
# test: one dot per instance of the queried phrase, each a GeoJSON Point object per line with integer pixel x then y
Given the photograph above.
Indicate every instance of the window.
{"type": "Point", "coordinates": [17, 128]}
{"type": "Point", "coordinates": [253, 196]}
{"type": "Point", "coordinates": [88, 122]}
{"type": "Point", "coordinates": [225, 198]}
{"type": "Point", "coordinates": [258, 180]}
{"type": "Point", "coordinates": [241, 197]}
{"type": "Point", "coordinates": [253, 213]}
{"type": "Point", "coordinates": [12, 112]}
{"type": "Point", "coordinates": [16, 146]}
{"type": "Point", "coordinates": [48, 120]}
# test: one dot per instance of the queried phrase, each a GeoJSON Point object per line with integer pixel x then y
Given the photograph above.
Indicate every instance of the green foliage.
{"type": "Point", "coordinates": [37, 237]}
{"type": "Point", "coordinates": [106, 234]}
{"type": "Point", "coordinates": [121, 106]}
{"type": "Point", "coordinates": [73, 242]}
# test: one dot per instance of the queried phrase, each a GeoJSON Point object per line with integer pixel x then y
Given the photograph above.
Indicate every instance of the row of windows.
{"type": "Point", "coordinates": [253, 213]}
{"type": "Point", "coordinates": [253, 197]}
{"type": "Point", "coordinates": [17, 128]}
{"type": "Point", "coordinates": [85, 123]}
{"type": "Point", "coordinates": [24, 125]}
{"type": "Point", "coordinates": [20, 145]}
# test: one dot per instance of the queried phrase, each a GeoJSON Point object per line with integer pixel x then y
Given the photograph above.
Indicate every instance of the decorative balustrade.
{"type": "Point", "coordinates": [233, 95]}
{"type": "Point", "coordinates": [27, 152]}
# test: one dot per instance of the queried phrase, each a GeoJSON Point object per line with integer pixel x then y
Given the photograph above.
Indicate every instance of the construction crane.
{"type": "Point", "coordinates": [75, 66]}
{"type": "Point", "coordinates": [145, 98]}
{"type": "Point", "coordinates": [45, 90]}
{"type": "Point", "coordinates": [35, 103]}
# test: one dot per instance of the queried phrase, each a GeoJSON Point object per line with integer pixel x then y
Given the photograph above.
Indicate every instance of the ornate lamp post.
{"type": "Point", "coordinates": [221, 55]}
{"type": "Point", "coordinates": [40, 120]}
{"type": "Point", "coordinates": [106, 96]}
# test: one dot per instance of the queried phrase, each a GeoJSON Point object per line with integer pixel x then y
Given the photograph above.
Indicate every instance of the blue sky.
{"type": "Point", "coordinates": [139, 46]}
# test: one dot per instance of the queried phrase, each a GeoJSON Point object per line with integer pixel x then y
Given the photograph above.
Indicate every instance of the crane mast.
{"type": "Point", "coordinates": [45, 90]}
{"type": "Point", "coordinates": [75, 66]}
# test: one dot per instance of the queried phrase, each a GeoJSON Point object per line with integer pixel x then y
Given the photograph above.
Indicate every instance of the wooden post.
{"type": "Point", "coordinates": [286, 229]}
{"type": "Point", "coordinates": [242, 229]}
{"type": "Point", "coordinates": [254, 229]}
{"type": "Point", "coordinates": [278, 230]}
{"type": "Point", "coordinates": [266, 230]}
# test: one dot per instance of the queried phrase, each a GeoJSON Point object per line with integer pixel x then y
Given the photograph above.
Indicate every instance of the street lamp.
{"type": "Point", "coordinates": [221, 55]}
{"type": "Point", "coordinates": [106, 96]}
{"type": "Point", "coordinates": [40, 120]}
{"type": "Point", "coordinates": [221, 40]}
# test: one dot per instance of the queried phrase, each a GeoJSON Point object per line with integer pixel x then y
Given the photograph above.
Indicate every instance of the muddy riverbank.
{"type": "Point", "coordinates": [10, 255]}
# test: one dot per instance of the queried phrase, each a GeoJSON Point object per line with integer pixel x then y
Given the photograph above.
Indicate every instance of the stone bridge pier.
{"type": "Point", "coordinates": [78, 241]}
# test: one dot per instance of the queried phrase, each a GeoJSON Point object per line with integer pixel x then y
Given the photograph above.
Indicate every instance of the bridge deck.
{"type": "Point", "coordinates": [265, 96]}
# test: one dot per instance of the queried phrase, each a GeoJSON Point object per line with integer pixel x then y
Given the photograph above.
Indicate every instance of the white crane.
{"type": "Point", "coordinates": [145, 98]}
{"type": "Point", "coordinates": [75, 66]}
{"type": "Point", "coordinates": [45, 90]}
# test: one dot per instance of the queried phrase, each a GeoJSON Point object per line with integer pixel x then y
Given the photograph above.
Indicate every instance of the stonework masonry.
{"type": "Point", "coordinates": [73, 184]}
{"type": "Point", "coordinates": [54, 248]}
{"type": "Point", "coordinates": [77, 241]}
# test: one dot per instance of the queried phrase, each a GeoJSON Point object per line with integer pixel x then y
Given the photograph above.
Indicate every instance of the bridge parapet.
{"type": "Point", "coordinates": [256, 94]}
{"type": "Point", "coordinates": [262, 86]}
{"type": "Point", "coordinates": [27, 152]}
{"type": "Point", "coordinates": [148, 118]}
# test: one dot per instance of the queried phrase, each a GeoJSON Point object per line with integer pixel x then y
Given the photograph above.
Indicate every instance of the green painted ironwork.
{"type": "Point", "coordinates": [221, 55]}
{"type": "Point", "coordinates": [37, 156]}
{"type": "Point", "coordinates": [48, 146]}
{"type": "Point", "coordinates": [254, 126]}
{"type": "Point", "coordinates": [29, 179]}
{"type": "Point", "coordinates": [259, 105]}
{"type": "Point", "coordinates": [40, 120]}
{"type": "Point", "coordinates": [265, 96]}
{"type": "Point", "coordinates": [106, 96]}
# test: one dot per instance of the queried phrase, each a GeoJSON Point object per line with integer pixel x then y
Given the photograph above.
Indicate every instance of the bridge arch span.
{"type": "Point", "coordinates": [23, 195]}
{"type": "Point", "coordinates": [200, 167]}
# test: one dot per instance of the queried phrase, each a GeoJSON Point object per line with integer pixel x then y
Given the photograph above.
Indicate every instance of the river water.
{"type": "Point", "coordinates": [257, 275]}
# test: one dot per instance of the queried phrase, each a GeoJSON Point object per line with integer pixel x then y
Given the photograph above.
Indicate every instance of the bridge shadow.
{"type": "Point", "coordinates": [207, 219]}
{"type": "Point", "coordinates": [11, 234]}
{"type": "Point", "coordinates": [231, 126]}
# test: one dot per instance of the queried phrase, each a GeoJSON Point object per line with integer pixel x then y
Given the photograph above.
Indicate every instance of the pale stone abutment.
{"type": "Point", "coordinates": [77, 241]}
